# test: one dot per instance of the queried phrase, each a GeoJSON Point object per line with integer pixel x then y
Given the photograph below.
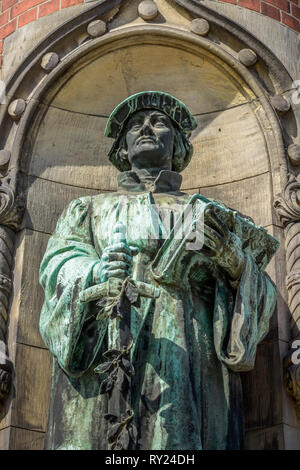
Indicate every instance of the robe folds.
{"type": "Point", "coordinates": [189, 344]}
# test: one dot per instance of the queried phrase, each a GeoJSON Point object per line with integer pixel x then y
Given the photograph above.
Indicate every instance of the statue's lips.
{"type": "Point", "coordinates": [145, 140]}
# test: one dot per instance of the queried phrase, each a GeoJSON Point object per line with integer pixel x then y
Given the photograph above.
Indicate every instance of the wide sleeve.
{"type": "Point", "coordinates": [66, 324]}
{"type": "Point", "coordinates": [241, 318]}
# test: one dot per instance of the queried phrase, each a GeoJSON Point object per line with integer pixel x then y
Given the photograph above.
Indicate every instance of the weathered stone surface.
{"type": "Point", "coordinates": [77, 149]}
{"type": "Point", "coordinates": [251, 196]}
{"type": "Point", "coordinates": [4, 159]}
{"type": "Point", "coordinates": [247, 57]}
{"type": "Point", "coordinates": [280, 322]}
{"type": "Point", "coordinates": [46, 201]}
{"type": "Point", "coordinates": [262, 388]}
{"type": "Point", "coordinates": [294, 154]}
{"type": "Point", "coordinates": [200, 26]}
{"type": "Point", "coordinates": [290, 410]}
{"type": "Point", "coordinates": [215, 146]}
{"type": "Point", "coordinates": [112, 77]}
{"type": "Point", "coordinates": [4, 438]}
{"type": "Point", "coordinates": [280, 103]}
{"type": "Point", "coordinates": [147, 10]}
{"type": "Point", "coordinates": [33, 245]}
{"type": "Point", "coordinates": [76, 146]}
{"type": "Point", "coordinates": [96, 28]}
{"type": "Point", "coordinates": [271, 438]}
{"type": "Point", "coordinates": [24, 439]}
{"type": "Point", "coordinates": [30, 408]}
{"type": "Point", "coordinates": [291, 437]}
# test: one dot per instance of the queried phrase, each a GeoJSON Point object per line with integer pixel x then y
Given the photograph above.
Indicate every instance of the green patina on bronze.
{"type": "Point", "coordinates": [149, 337]}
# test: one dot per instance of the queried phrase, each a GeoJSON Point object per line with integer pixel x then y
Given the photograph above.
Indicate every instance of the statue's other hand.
{"type": "Point", "coordinates": [116, 261]}
{"type": "Point", "coordinates": [223, 246]}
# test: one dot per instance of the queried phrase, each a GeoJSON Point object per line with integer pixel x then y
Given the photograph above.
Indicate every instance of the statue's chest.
{"type": "Point", "coordinates": [147, 221]}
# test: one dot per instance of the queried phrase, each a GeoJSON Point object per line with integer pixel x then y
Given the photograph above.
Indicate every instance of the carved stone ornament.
{"type": "Point", "coordinates": [288, 204]}
{"type": "Point", "coordinates": [287, 207]}
{"type": "Point", "coordinates": [49, 61]}
{"type": "Point", "coordinates": [280, 103]}
{"type": "Point", "coordinates": [292, 382]}
{"type": "Point", "coordinates": [147, 10]}
{"type": "Point", "coordinates": [17, 108]}
{"type": "Point", "coordinates": [11, 208]}
{"type": "Point", "coordinates": [199, 26]}
{"type": "Point", "coordinates": [247, 57]}
{"type": "Point", "coordinates": [11, 212]}
{"type": "Point", "coordinates": [294, 154]}
{"type": "Point", "coordinates": [4, 159]}
{"type": "Point", "coordinates": [96, 28]}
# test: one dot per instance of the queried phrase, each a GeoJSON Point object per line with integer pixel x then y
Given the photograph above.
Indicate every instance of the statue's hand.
{"type": "Point", "coordinates": [116, 261]}
{"type": "Point", "coordinates": [222, 246]}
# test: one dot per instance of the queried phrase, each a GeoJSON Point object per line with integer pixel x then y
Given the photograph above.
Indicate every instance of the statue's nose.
{"type": "Point", "coordinates": [146, 129]}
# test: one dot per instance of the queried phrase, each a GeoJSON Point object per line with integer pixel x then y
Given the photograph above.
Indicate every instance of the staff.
{"type": "Point", "coordinates": [115, 298]}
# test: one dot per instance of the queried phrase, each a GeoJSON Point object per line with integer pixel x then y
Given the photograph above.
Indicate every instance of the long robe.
{"type": "Point", "coordinates": [189, 344]}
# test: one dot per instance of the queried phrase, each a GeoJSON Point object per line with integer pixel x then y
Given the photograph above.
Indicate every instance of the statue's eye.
{"type": "Point", "coordinates": [135, 126]}
{"type": "Point", "coordinates": [159, 123]}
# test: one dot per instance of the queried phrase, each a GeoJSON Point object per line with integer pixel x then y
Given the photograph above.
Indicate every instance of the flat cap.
{"type": "Point", "coordinates": [169, 105]}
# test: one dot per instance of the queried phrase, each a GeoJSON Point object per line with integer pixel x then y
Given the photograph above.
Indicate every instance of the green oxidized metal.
{"type": "Point", "coordinates": [180, 321]}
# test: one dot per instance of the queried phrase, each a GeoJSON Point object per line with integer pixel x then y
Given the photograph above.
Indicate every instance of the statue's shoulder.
{"type": "Point", "coordinates": [88, 202]}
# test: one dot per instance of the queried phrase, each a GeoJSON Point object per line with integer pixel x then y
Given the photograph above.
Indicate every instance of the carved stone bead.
{"type": "Point", "coordinates": [247, 57]}
{"type": "Point", "coordinates": [199, 26]}
{"type": "Point", "coordinates": [17, 108]}
{"type": "Point", "coordinates": [147, 10]}
{"type": "Point", "coordinates": [294, 154]}
{"type": "Point", "coordinates": [280, 103]}
{"type": "Point", "coordinates": [96, 28]}
{"type": "Point", "coordinates": [49, 61]}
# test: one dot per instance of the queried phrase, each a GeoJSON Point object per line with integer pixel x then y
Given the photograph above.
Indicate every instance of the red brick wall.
{"type": "Point", "coordinates": [16, 13]}
{"type": "Point", "coordinates": [285, 11]}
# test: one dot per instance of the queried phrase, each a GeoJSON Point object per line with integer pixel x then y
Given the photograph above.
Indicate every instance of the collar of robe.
{"type": "Point", "coordinates": [144, 180]}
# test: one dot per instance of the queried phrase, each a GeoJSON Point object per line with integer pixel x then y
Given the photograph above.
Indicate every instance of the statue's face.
{"type": "Point", "coordinates": [150, 140]}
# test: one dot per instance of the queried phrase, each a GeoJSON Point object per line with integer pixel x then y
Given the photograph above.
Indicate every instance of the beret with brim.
{"type": "Point", "coordinates": [169, 105]}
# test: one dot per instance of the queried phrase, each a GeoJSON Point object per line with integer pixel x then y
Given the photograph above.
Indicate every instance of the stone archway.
{"type": "Point", "coordinates": [55, 152]}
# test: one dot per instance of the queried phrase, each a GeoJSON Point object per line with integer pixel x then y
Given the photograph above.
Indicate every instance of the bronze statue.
{"type": "Point", "coordinates": [148, 336]}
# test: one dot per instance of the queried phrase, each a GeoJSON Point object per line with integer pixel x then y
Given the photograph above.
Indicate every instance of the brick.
{"type": "Point", "coordinates": [8, 3]}
{"type": "Point", "coordinates": [270, 11]}
{"type": "Point", "coordinates": [230, 1]}
{"type": "Point", "coordinates": [28, 17]}
{"type": "Point", "coordinates": [69, 3]}
{"type": "Point", "coordinates": [296, 11]}
{"type": "Point", "coordinates": [282, 4]}
{"type": "Point", "coordinates": [23, 6]}
{"type": "Point", "coordinates": [48, 8]}
{"type": "Point", "coordinates": [1, 46]}
{"type": "Point", "coordinates": [8, 29]}
{"type": "Point", "coordinates": [251, 4]}
{"type": "Point", "coordinates": [4, 18]}
{"type": "Point", "coordinates": [290, 21]}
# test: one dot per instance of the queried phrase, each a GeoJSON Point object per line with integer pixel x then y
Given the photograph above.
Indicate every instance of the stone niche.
{"type": "Point", "coordinates": [64, 156]}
